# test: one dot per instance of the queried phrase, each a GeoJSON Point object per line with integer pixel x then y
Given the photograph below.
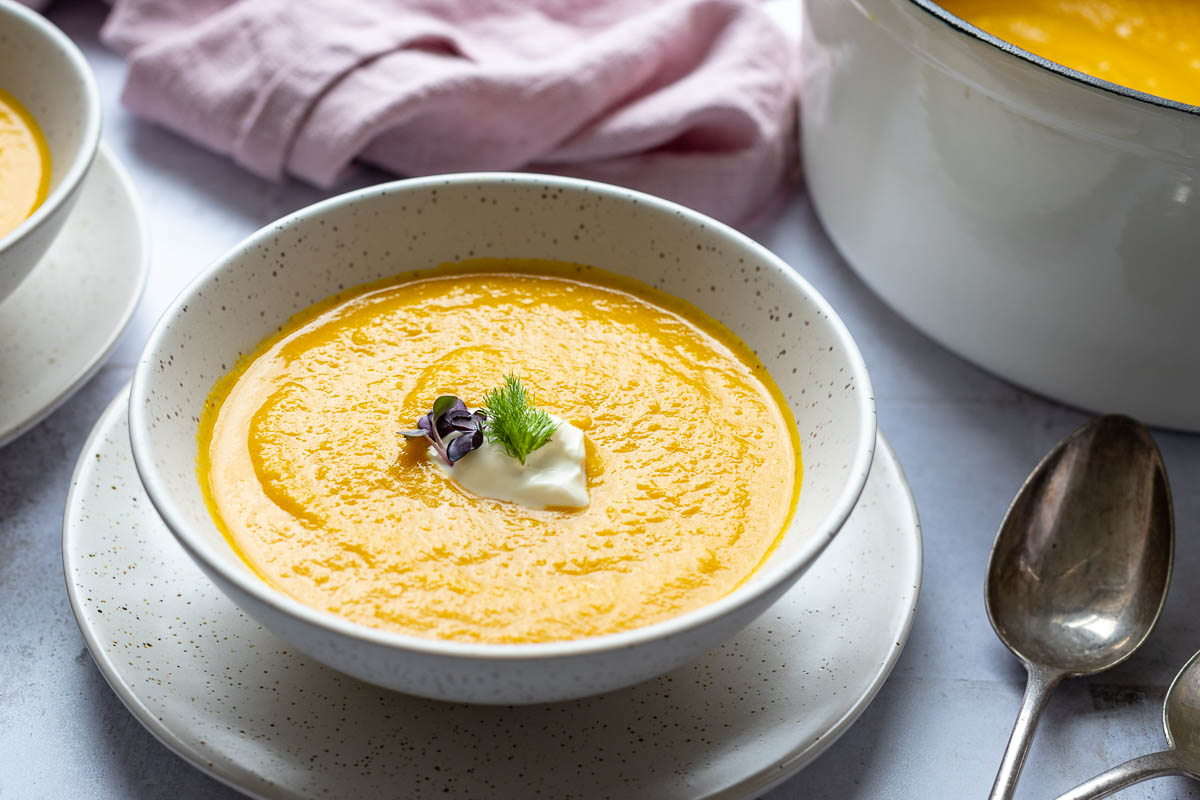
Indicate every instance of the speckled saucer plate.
{"type": "Point", "coordinates": [228, 697]}
{"type": "Point", "coordinates": [60, 324]}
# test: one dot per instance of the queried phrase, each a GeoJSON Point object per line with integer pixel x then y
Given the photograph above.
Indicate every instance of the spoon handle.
{"type": "Point", "coordinates": [1132, 771]}
{"type": "Point", "coordinates": [1041, 683]}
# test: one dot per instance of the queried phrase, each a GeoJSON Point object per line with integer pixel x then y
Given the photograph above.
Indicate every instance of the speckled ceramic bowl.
{"type": "Point", "coordinates": [391, 228]}
{"type": "Point", "coordinates": [48, 75]}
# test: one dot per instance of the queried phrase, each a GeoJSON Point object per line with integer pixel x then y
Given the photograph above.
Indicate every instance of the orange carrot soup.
{"type": "Point", "coordinates": [1149, 45]}
{"type": "Point", "coordinates": [24, 164]}
{"type": "Point", "coordinates": [317, 468]}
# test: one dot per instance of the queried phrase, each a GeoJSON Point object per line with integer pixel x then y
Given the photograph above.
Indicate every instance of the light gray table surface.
{"type": "Point", "coordinates": [965, 439]}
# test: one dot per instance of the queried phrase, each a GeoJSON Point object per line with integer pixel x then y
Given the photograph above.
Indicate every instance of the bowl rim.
{"type": "Point", "coordinates": [261, 592]}
{"type": "Point", "coordinates": [90, 138]}
{"type": "Point", "coordinates": [960, 25]}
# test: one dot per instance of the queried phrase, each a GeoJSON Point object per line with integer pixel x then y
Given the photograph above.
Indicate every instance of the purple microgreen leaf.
{"type": "Point", "coordinates": [443, 427]}
{"type": "Point", "coordinates": [444, 420]}
{"type": "Point", "coordinates": [443, 404]}
{"type": "Point", "coordinates": [449, 418]}
{"type": "Point", "coordinates": [414, 434]}
{"type": "Point", "coordinates": [459, 447]}
{"type": "Point", "coordinates": [458, 422]}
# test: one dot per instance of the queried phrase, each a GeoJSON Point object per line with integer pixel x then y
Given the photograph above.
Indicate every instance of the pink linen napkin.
{"type": "Point", "coordinates": [688, 99]}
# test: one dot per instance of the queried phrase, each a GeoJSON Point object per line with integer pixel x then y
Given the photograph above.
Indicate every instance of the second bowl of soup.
{"type": "Point", "coordinates": [707, 428]}
{"type": "Point", "coordinates": [49, 132]}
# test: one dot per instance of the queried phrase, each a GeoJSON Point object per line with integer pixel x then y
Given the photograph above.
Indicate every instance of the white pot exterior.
{"type": "Point", "coordinates": [420, 223]}
{"type": "Point", "coordinates": [1042, 227]}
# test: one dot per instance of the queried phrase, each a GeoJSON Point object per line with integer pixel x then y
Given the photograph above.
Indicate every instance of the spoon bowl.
{"type": "Point", "coordinates": [1079, 570]}
{"type": "Point", "coordinates": [1181, 714]}
{"type": "Point", "coordinates": [1080, 567]}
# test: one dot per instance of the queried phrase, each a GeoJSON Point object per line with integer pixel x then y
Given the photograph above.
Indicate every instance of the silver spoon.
{"type": "Point", "coordinates": [1079, 570]}
{"type": "Point", "coordinates": [1181, 721]}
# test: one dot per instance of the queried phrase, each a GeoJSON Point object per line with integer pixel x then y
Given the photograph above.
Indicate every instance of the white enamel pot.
{"type": "Point", "coordinates": [1041, 223]}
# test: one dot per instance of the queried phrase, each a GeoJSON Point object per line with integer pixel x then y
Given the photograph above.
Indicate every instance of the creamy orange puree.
{"type": "Point", "coordinates": [24, 164]}
{"type": "Point", "coordinates": [1149, 45]}
{"type": "Point", "coordinates": [693, 458]}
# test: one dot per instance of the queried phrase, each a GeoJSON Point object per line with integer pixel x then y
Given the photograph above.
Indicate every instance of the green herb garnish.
{"type": "Point", "coordinates": [513, 423]}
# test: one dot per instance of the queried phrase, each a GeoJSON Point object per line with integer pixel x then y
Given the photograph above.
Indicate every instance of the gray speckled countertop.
{"type": "Point", "coordinates": [965, 439]}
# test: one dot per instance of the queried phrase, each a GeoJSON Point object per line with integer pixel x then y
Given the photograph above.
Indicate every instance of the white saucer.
{"type": "Point", "coordinates": [231, 699]}
{"type": "Point", "coordinates": [57, 328]}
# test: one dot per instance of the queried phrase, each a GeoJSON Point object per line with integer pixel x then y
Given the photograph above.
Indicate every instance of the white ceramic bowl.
{"type": "Point", "coordinates": [48, 75]}
{"type": "Point", "coordinates": [1039, 222]}
{"type": "Point", "coordinates": [420, 223]}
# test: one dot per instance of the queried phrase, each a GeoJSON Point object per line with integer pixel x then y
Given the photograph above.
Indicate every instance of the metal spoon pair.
{"type": "Point", "coordinates": [1077, 579]}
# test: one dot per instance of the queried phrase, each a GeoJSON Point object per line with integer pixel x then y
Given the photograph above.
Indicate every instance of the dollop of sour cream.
{"type": "Point", "coordinates": [552, 476]}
